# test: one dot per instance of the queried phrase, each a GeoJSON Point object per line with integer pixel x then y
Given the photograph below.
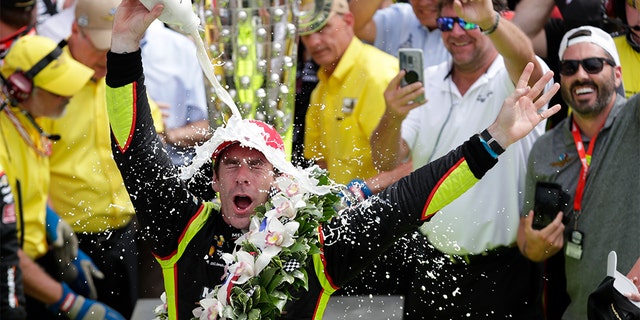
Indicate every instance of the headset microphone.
{"type": "Point", "coordinates": [18, 86]}
{"type": "Point", "coordinates": [52, 137]}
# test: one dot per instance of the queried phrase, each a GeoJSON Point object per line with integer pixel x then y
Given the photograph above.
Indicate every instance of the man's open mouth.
{"type": "Point", "coordinates": [242, 202]}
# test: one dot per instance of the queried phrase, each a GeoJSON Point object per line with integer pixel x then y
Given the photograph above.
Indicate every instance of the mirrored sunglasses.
{"type": "Point", "coordinates": [590, 65]}
{"type": "Point", "coordinates": [446, 24]}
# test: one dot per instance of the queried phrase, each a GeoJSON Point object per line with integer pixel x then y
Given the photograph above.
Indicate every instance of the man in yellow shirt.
{"type": "Point", "coordinates": [86, 187]}
{"type": "Point", "coordinates": [347, 103]}
{"type": "Point", "coordinates": [628, 47]}
{"type": "Point", "coordinates": [38, 79]}
{"type": "Point", "coordinates": [344, 109]}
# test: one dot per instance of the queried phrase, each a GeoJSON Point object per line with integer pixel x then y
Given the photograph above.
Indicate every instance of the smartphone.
{"type": "Point", "coordinates": [549, 199]}
{"type": "Point", "coordinates": [411, 61]}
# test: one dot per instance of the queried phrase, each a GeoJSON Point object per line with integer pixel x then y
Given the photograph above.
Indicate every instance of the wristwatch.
{"type": "Point", "coordinates": [493, 144]}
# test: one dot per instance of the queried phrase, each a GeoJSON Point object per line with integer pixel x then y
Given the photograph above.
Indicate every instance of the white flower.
{"type": "Point", "coordinates": [287, 185]}
{"type": "Point", "coordinates": [291, 188]}
{"type": "Point", "coordinates": [255, 225]}
{"type": "Point", "coordinates": [243, 269]}
{"type": "Point", "coordinates": [268, 233]}
{"type": "Point", "coordinates": [161, 310]}
{"type": "Point", "coordinates": [282, 208]}
{"type": "Point", "coordinates": [210, 309]}
{"type": "Point", "coordinates": [272, 237]}
{"type": "Point", "coordinates": [275, 234]}
{"type": "Point", "coordinates": [228, 258]}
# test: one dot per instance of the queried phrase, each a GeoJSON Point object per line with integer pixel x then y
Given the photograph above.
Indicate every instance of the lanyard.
{"type": "Point", "coordinates": [43, 148]}
{"type": "Point", "coordinates": [585, 159]}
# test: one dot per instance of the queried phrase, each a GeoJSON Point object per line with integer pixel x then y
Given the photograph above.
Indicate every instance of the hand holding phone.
{"type": "Point", "coordinates": [411, 62]}
{"type": "Point", "coordinates": [549, 200]}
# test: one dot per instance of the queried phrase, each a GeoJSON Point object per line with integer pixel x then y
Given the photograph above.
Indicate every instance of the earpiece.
{"type": "Point", "coordinates": [19, 85]}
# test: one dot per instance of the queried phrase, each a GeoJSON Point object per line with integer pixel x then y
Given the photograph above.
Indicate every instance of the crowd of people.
{"type": "Point", "coordinates": [102, 104]}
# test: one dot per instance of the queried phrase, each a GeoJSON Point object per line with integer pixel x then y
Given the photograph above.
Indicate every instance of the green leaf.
{"type": "Point", "coordinates": [299, 246]}
{"type": "Point", "coordinates": [299, 275]}
{"type": "Point", "coordinates": [249, 247]}
{"type": "Point", "coordinates": [306, 279]}
{"type": "Point", "coordinates": [287, 278]}
{"type": "Point", "coordinates": [266, 276]}
{"type": "Point", "coordinates": [261, 210]}
{"type": "Point", "coordinates": [274, 283]}
{"type": "Point", "coordinates": [254, 314]}
{"type": "Point", "coordinates": [279, 299]}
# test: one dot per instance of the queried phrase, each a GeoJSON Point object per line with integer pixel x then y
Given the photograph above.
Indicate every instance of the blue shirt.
{"type": "Point", "coordinates": [398, 27]}
{"type": "Point", "coordinates": [173, 76]}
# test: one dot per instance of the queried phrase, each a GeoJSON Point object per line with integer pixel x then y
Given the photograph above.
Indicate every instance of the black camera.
{"type": "Point", "coordinates": [549, 199]}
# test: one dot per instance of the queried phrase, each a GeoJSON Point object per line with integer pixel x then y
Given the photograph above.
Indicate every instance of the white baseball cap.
{"type": "Point", "coordinates": [589, 34]}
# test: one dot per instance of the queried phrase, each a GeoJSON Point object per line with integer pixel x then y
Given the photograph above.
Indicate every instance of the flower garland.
{"type": "Point", "coordinates": [270, 260]}
{"type": "Point", "coordinates": [160, 311]}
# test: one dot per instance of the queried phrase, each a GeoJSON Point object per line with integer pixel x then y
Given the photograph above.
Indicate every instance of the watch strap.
{"type": "Point", "coordinates": [493, 144]}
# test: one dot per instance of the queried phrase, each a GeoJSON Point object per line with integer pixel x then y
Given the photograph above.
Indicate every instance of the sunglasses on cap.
{"type": "Point", "coordinates": [590, 65]}
{"type": "Point", "coordinates": [446, 24]}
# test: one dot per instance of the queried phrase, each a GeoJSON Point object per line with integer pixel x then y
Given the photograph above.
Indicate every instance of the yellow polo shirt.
{"type": "Point", "coordinates": [22, 157]}
{"type": "Point", "coordinates": [345, 108]}
{"type": "Point", "coordinates": [630, 62]}
{"type": "Point", "coordinates": [87, 190]}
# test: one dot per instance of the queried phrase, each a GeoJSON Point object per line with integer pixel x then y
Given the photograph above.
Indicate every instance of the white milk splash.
{"type": "Point", "coordinates": [181, 15]}
{"type": "Point", "coordinates": [244, 131]}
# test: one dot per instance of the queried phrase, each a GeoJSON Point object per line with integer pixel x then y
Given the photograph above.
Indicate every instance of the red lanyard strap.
{"type": "Point", "coordinates": [585, 160]}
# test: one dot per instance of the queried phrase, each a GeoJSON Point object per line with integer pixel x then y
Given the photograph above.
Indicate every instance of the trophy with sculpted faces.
{"type": "Point", "coordinates": [253, 45]}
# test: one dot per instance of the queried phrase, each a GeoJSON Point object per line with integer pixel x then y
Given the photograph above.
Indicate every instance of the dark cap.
{"type": "Point", "coordinates": [18, 4]}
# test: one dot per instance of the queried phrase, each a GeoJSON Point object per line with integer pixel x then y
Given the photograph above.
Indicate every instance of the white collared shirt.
{"type": "Point", "coordinates": [487, 215]}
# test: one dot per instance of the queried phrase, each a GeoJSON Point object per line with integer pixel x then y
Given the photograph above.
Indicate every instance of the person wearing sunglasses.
{"type": "Point", "coordinates": [618, 17]}
{"type": "Point", "coordinates": [400, 25]}
{"type": "Point", "coordinates": [480, 259]}
{"type": "Point", "coordinates": [587, 154]}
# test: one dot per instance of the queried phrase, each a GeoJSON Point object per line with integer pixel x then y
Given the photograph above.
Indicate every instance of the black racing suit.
{"type": "Point", "coordinates": [11, 290]}
{"type": "Point", "coordinates": [188, 234]}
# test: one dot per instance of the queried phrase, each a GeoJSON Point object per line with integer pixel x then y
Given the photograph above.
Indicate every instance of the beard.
{"type": "Point", "coordinates": [586, 108]}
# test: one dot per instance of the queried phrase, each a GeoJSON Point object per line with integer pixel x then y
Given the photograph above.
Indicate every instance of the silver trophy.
{"type": "Point", "coordinates": [253, 45]}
